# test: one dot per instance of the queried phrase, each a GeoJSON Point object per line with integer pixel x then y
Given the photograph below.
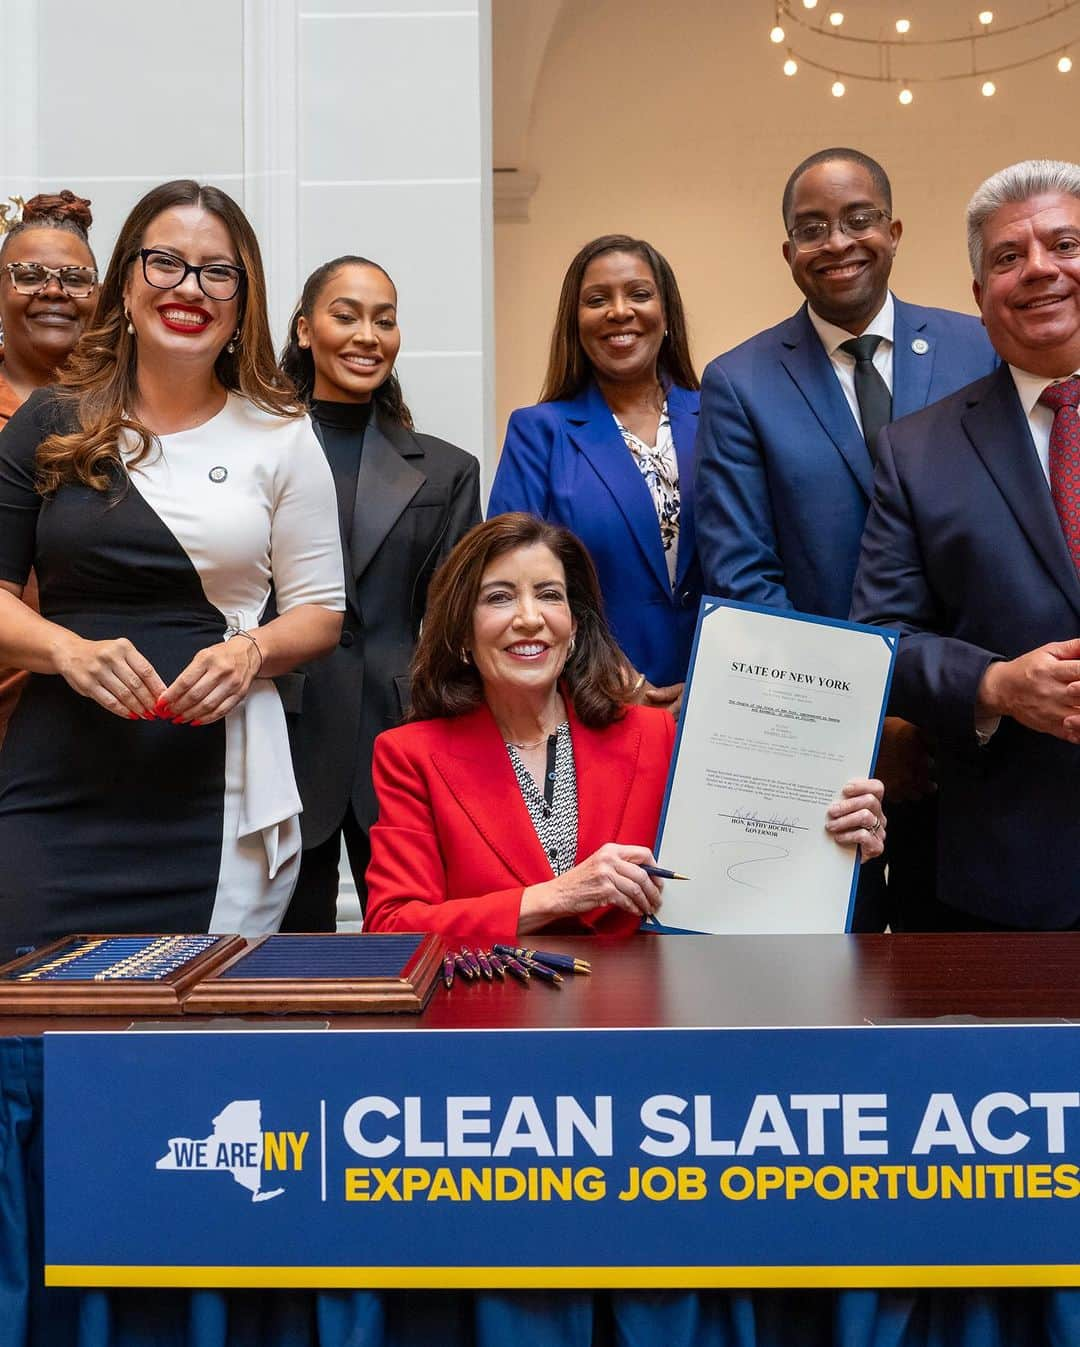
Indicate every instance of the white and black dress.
{"type": "Point", "coordinates": [116, 825]}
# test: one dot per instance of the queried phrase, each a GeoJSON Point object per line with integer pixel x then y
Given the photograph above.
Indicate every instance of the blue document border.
{"type": "Point", "coordinates": [709, 604]}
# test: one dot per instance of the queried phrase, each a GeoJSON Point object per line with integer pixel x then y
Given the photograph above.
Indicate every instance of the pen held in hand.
{"type": "Point", "coordinates": [658, 872]}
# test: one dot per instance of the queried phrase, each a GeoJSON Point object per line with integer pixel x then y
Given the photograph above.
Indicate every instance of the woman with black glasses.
{"type": "Point", "coordinates": [48, 288]}
{"type": "Point", "coordinates": [145, 783]}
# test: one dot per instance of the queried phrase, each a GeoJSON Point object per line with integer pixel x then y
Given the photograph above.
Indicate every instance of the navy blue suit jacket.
{"type": "Point", "coordinates": [784, 478]}
{"type": "Point", "coordinates": [964, 553]}
{"type": "Point", "coordinates": [567, 462]}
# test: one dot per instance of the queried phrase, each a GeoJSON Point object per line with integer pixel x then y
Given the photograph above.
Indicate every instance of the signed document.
{"type": "Point", "coordinates": [781, 710]}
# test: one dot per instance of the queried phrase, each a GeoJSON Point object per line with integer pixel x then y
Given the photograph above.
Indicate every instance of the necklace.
{"type": "Point", "coordinates": [535, 744]}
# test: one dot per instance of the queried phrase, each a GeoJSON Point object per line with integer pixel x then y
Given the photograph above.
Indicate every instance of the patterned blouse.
{"type": "Point", "coordinates": [554, 809]}
{"type": "Point", "coordinates": [660, 469]}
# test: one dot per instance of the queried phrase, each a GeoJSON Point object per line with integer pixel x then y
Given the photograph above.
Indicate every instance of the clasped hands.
{"type": "Point", "coordinates": [1041, 690]}
{"type": "Point", "coordinates": [114, 674]}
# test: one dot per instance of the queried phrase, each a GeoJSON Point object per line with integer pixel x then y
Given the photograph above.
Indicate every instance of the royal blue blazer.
{"type": "Point", "coordinates": [784, 477]}
{"type": "Point", "coordinates": [567, 462]}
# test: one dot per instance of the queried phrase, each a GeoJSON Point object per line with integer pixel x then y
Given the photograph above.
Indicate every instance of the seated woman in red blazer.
{"type": "Point", "coordinates": [524, 794]}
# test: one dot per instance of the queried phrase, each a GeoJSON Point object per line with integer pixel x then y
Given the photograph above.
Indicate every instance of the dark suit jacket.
{"type": "Point", "coordinates": [454, 847]}
{"type": "Point", "coordinates": [784, 478]}
{"type": "Point", "coordinates": [964, 553]}
{"type": "Point", "coordinates": [415, 497]}
{"type": "Point", "coordinates": [567, 462]}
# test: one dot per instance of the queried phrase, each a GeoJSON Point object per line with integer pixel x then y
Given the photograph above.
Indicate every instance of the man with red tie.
{"type": "Point", "coordinates": [972, 549]}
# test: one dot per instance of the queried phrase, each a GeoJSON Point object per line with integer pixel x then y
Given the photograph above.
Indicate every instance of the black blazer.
{"type": "Point", "coordinates": [415, 497]}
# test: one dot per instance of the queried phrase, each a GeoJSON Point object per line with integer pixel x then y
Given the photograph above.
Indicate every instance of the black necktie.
{"type": "Point", "coordinates": [871, 390]}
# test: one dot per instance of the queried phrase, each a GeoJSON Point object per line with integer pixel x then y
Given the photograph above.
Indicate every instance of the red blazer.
{"type": "Point", "coordinates": [454, 847]}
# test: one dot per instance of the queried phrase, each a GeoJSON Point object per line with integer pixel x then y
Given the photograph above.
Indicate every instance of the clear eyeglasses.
{"type": "Point", "coordinates": [29, 278]}
{"type": "Point", "coordinates": [856, 224]}
{"type": "Point", "coordinates": [217, 280]}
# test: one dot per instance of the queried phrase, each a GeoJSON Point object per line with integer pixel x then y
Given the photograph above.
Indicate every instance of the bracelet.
{"type": "Point", "coordinates": [230, 632]}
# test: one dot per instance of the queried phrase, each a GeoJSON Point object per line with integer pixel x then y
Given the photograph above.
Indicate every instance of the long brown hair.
{"type": "Point", "coordinates": [569, 368]}
{"type": "Point", "coordinates": [100, 381]}
{"type": "Point", "coordinates": [445, 683]}
{"type": "Point", "coordinates": [297, 362]}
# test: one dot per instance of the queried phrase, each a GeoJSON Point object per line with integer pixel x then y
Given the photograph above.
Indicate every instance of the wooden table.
{"type": "Point", "coordinates": [739, 981]}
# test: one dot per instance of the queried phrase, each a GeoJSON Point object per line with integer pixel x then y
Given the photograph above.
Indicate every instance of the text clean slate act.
{"type": "Point", "coordinates": [781, 710]}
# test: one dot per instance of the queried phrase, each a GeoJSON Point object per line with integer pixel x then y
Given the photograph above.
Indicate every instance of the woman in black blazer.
{"type": "Point", "coordinates": [404, 500]}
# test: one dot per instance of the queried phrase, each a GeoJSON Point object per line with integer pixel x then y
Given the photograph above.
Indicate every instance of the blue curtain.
{"type": "Point", "coordinates": [30, 1316]}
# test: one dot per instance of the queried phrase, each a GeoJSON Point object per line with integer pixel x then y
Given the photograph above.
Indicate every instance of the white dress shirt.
{"type": "Point", "coordinates": [1040, 419]}
{"type": "Point", "coordinates": [843, 362]}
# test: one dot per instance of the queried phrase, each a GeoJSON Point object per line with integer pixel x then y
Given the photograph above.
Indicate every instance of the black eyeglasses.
{"type": "Point", "coordinates": [217, 280]}
{"type": "Point", "coordinates": [29, 278]}
{"type": "Point", "coordinates": [856, 224]}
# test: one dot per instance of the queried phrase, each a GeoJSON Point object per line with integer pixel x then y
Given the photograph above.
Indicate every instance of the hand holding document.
{"type": "Point", "coordinates": [780, 711]}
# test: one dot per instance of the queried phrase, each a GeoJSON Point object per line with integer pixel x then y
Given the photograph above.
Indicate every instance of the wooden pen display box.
{"type": "Point", "coordinates": [112, 974]}
{"type": "Point", "coordinates": [326, 974]}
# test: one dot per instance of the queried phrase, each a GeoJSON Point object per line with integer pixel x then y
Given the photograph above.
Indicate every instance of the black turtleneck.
{"type": "Point", "coordinates": [341, 426]}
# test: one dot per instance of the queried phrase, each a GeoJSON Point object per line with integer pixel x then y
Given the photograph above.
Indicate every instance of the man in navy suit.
{"type": "Point", "coordinates": [972, 548]}
{"type": "Point", "coordinates": [785, 449]}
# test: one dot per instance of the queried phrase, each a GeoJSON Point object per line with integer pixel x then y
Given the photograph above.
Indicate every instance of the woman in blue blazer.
{"type": "Point", "coordinates": [608, 451]}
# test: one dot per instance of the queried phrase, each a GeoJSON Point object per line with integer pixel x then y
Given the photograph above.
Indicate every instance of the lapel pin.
{"type": "Point", "coordinates": [218, 474]}
{"type": "Point", "coordinates": [920, 346]}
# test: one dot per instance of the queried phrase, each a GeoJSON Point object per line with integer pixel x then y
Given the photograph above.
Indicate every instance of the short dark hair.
{"type": "Point", "coordinates": [445, 682]}
{"type": "Point", "coordinates": [298, 364]}
{"type": "Point", "coordinates": [569, 369]}
{"type": "Point", "coordinates": [877, 173]}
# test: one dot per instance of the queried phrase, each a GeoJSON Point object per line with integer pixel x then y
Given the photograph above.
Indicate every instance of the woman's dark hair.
{"type": "Point", "coordinates": [62, 210]}
{"type": "Point", "coordinates": [445, 683]}
{"type": "Point", "coordinates": [298, 363]}
{"type": "Point", "coordinates": [569, 368]}
{"type": "Point", "coordinates": [99, 382]}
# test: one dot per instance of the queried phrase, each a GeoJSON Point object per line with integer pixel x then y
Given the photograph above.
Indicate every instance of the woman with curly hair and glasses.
{"type": "Point", "coordinates": [48, 289]}
{"type": "Point", "coordinates": [159, 493]}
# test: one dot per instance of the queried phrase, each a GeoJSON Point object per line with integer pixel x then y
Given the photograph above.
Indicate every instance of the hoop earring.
{"type": "Point", "coordinates": [570, 648]}
{"type": "Point", "coordinates": [463, 655]}
{"type": "Point", "coordinates": [233, 340]}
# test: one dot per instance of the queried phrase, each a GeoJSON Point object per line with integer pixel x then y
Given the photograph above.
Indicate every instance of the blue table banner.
{"type": "Point", "coordinates": [871, 1156]}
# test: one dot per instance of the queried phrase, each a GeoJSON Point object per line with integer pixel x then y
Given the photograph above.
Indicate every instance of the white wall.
{"type": "Point", "coordinates": [340, 125]}
{"type": "Point", "coordinates": [358, 126]}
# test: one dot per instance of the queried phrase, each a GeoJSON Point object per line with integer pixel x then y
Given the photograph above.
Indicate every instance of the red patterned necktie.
{"type": "Point", "coordinates": [1062, 399]}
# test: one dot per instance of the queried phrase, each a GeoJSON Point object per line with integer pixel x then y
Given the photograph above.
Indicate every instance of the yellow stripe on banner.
{"type": "Point", "coordinates": [564, 1278]}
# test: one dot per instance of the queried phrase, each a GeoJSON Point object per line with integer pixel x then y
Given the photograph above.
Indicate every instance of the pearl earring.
{"type": "Point", "coordinates": [130, 324]}
{"type": "Point", "coordinates": [231, 348]}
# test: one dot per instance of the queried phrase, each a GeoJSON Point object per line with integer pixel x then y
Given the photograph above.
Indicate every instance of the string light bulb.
{"type": "Point", "coordinates": [836, 18]}
{"type": "Point", "coordinates": [903, 26]}
{"type": "Point", "coordinates": [777, 34]}
{"type": "Point", "coordinates": [1064, 64]}
{"type": "Point", "coordinates": [905, 96]}
{"type": "Point", "coordinates": [790, 66]}
{"type": "Point", "coordinates": [809, 4]}
{"type": "Point", "coordinates": [986, 17]}
{"type": "Point", "coordinates": [989, 89]}
{"type": "Point", "coordinates": [839, 89]}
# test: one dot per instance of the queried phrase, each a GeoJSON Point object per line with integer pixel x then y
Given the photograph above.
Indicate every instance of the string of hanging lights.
{"type": "Point", "coordinates": [816, 37]}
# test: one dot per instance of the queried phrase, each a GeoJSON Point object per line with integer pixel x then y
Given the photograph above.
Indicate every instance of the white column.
{"type": "Point", "coordinates": [270, 164]}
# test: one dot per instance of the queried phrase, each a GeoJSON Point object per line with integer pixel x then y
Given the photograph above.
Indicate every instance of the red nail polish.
{"type": "Point", "coordinates": [196, 722]}
{"type": "Point", "coordinates": [148, 716]}
{"type": "Point", "coordinates": [163, 709]}
{"type": "Point", "coordinates": [132, 716]}
{"type": "Point", "coordinates": [179, 720]}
